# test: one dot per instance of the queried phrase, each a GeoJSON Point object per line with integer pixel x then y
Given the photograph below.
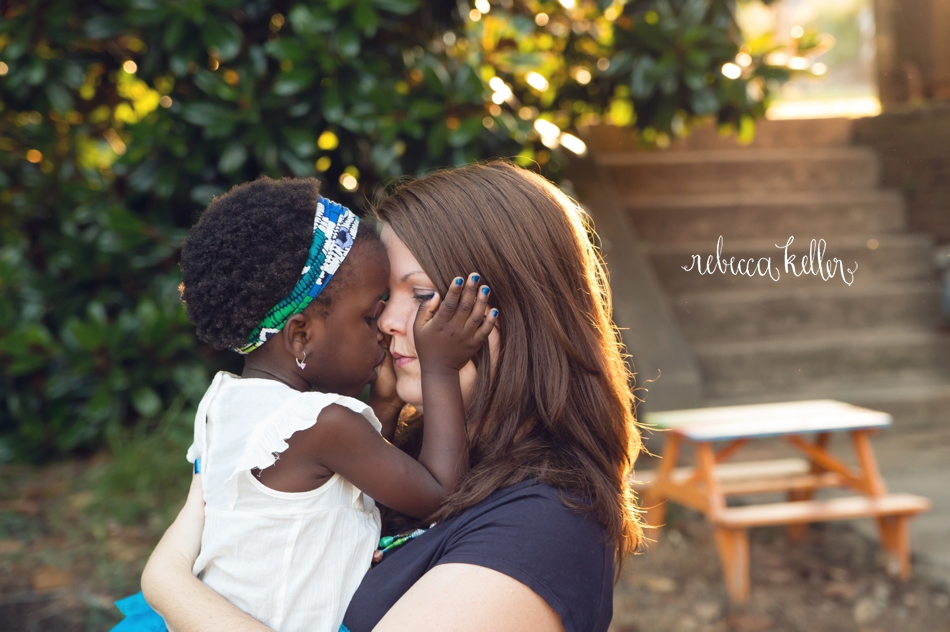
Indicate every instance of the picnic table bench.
{"type": "Point", "coordinates": [705, 486]}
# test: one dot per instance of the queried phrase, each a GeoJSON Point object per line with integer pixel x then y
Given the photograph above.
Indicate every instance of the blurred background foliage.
{"type": "Point", "coordinates": [121, 119]}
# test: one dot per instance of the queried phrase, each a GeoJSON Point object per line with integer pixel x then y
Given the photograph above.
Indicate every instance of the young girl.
{"type": "Point", "coordinates": [291, 462]}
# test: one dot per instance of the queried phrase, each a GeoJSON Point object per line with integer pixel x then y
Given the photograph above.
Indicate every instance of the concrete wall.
{"type": "Point", "coordinates": [913, 50]}
{"type": "Point", "coordinates": [914, 145]}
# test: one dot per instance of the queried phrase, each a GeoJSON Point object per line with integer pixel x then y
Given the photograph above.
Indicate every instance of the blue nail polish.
{"type": "Point", "coordinates": [458, 281]}
{"type": "Point", "coordinates": [494, 312]}
{"type": "Point", "coordinates": [475, 278]}
{"type": "Point", "coordinates": [198, 466]}
{"type": "Point", "coordinates": [485, 290]}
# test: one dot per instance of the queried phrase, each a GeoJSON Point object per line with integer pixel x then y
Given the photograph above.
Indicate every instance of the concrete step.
{"type": "Point", "coordinates": [785, 364]}
{"type": "Point", "coordinates": [746, 314]}
{"type": "Point", "coordinates": [744, 215]}
{"type": "Point", "coordinates": [918, 400]}
{"type": "Point", "coordinates": [758, 170]}
{"type": "Point", "coordinates": [829, 132]}
{"type": "Point", "coordinates": [897, 257]}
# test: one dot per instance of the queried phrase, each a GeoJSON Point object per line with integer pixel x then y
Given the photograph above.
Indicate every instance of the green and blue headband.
{"type": "Point", "coordinates": [334, 229]}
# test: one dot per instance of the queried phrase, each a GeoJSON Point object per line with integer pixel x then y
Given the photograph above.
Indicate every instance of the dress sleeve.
{"type": "Point", "coordinates": [559, 554]}
{"type": "Point", "coordinates": [269, 439]}
{"type": "Point", "coordinates": [197, 448]}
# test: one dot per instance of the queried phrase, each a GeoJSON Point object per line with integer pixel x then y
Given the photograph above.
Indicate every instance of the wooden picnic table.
{"type": "Point", "coordinates": [807, 426]}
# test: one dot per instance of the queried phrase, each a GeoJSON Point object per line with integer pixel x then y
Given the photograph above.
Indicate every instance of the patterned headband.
{"type": "Point", "coordinates": [334, 229]}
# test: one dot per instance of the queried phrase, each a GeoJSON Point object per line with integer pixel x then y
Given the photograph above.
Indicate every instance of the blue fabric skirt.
{"type": "Point", "coordinates": [139, 616]}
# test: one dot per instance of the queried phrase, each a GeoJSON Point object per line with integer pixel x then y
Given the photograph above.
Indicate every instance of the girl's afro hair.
{"type": "Point", "coordinates": [245, 254]}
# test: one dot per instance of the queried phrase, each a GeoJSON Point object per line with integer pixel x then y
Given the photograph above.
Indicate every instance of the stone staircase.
{"type": "Point", "coordinates": [875, 343]}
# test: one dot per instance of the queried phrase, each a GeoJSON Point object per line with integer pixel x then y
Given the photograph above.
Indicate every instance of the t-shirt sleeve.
{"type": "Point", "coordinates": [559, 554]}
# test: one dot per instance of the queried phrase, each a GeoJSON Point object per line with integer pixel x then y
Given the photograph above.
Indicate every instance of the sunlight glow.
{"type": "Point", "coordinates": [731, 70]}
{"type": "Point", "coordinates": [536, 81]}
{"type": "Point", "coordinates": [547, 129]}
{"type": "Point", "coordinates": [798, 63]}
{"type": "Point", "coordinates": [574, 144]}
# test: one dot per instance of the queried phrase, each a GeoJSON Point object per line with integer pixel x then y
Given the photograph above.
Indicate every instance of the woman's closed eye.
{"type": "Point", "coordinates": [423, 295]}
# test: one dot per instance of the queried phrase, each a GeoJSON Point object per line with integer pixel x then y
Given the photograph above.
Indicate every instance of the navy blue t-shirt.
{"type": "Point", "coordinates": [525, 532]}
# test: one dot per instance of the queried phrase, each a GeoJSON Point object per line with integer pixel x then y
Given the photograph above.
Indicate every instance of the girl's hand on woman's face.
{"type": "Point", "coordinates": [449, 333]}
{"type": "Point", "coordinates": [383, 388]}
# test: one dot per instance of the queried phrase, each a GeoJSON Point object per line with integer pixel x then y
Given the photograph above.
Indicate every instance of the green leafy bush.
{"type": "Point", "coordinates": [120, 120]}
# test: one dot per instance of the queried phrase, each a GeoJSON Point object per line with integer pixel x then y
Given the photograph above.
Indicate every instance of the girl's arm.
{"type": "Point", "coordinates": [444, 344]}
{"type": "Point", "coordinates": [345, 443]}
{"type": "Point", "coordinates": [186, 604]}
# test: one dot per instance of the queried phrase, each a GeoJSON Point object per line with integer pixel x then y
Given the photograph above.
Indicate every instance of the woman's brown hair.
{"type": "Point", "coordinates": [558, 405]}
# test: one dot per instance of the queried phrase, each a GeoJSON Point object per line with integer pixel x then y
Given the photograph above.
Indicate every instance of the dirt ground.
{"type": "Point", "coordinates": [62, 564]}
{"type": "Point", "coordinates": [832, 582]}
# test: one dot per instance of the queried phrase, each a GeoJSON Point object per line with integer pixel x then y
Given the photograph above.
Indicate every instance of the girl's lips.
{"type": "Point", "coordinates": [400, 360]}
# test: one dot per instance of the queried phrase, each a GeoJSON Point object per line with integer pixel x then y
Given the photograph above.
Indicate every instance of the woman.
{"type": "Point", "coordinates": [534, 534]}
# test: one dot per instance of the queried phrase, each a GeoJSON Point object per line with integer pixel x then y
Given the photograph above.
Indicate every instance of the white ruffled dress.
{"type": "Point", "coordinates": [290, 560]}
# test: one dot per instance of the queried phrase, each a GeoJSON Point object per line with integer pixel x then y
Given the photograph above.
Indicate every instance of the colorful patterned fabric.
{"type": "Point", "coordinates": [334, 229]}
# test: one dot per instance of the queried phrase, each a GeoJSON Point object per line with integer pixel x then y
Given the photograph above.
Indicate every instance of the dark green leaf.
{"type": "Point", "coordinates": [310, 20]}
{"type": "Point", "coordinates": [348, 42]}
{"type": "Point", "coordinates": [399, 7]}
{"type": "Point", "coordinates": [173, 33]}
{"type": "Point", "coordinates": [204, 114]}
{"type": "Point", "coordinates": [704, 102]}
{"type": "Point", "coordinates": [232, 158]}
{"type": "Point", "coordinates": [146, 401]}
{"type": "Point", "coordinates": [332, 104]}
{"type": "Point", "coordinates": [224, 36]}
{"type": "Point", "coordinates": [292, 82]}
{"type": "Point", "coordinates": [365, 18]}
{"type": "Point", "coordinates": [59, 97]}
{"type": "Point", "coordinates": [103, 26]}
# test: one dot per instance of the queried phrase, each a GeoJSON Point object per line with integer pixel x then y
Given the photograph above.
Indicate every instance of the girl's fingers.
{"type": "Point", "coordinates": [452, 298]}
{"type": "Point", "coordinates": [467, 301]}
{"type": "Point", "coordinates": [481, 334]}
{"type": "Point", "coordinates": [480, 310]}
{"type": "Point", "coordinates": [426, 311]}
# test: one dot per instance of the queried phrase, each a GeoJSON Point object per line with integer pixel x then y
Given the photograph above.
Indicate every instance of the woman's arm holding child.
{"type": "Point", "coordinates": [446, 338]}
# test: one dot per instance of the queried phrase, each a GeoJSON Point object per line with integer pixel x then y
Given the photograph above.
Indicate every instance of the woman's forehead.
{"type": "Point", "coordinates": [403, 264]}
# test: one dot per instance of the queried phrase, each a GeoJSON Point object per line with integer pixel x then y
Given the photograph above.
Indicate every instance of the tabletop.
{"type": "Point", "coordinates": [725, 423]}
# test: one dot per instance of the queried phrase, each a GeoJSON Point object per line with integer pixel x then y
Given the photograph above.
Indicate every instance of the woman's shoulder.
{"type": "Point", "coordinates": [536, 505]}
{"type": "Point", "coordinates": [533, 518]}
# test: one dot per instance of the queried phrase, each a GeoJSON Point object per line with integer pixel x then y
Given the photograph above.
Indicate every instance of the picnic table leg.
{"type": "Point", "coordinates": [895, 540]}
{"type": "Point", "coordinates": [796, 532]}
{"type": "Point", "coordinates": [902, 545]}
{"type": "Point", "coordinates": [733, 548]}
{"type": "Point", "coordinates": [874, 486]}
{"type": "Point", "coordinates": [873, 481]}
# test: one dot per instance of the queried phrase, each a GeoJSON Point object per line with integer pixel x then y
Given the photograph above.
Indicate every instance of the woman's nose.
{"type": "Point", "coordinates": [388, 322]}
